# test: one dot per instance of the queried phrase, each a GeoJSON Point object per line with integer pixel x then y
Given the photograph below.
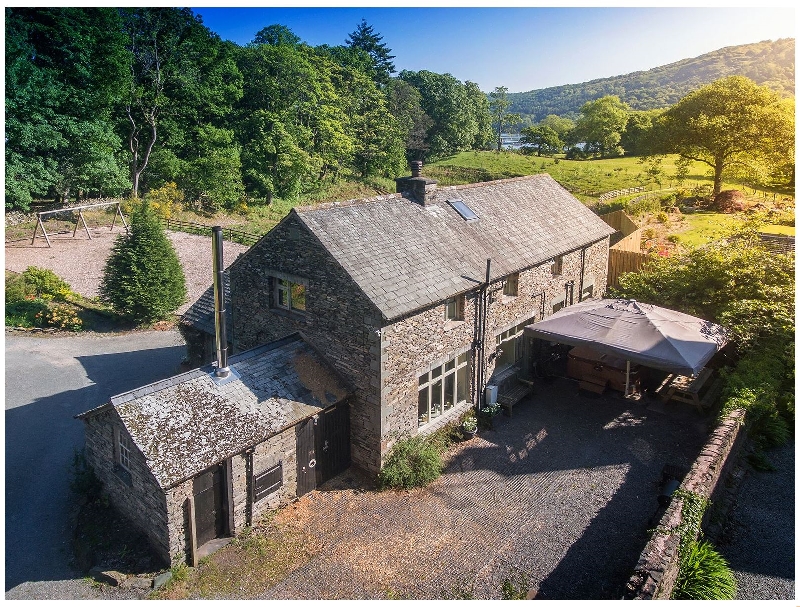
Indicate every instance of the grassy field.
{"type": "Point", "coordinates": [586, 179]}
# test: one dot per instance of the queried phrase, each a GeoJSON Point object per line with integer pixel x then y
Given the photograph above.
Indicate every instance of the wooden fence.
{"type": "Point", "coordinates": [199, 228]}
{"type": "Point", "coordinates": [620, 262]}
{"type": "Point", "coordinates": [620, 221]}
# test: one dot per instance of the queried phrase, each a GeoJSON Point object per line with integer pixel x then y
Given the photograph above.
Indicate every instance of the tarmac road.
{"type": "Point", "coordinates": [48, 381]}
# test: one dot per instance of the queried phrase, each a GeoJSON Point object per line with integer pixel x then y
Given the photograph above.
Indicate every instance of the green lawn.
{"type": "Point", "coordinates": [703, 227]}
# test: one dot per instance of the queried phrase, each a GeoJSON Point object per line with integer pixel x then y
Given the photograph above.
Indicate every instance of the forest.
{"type": "Point", "coordinates": [133, 101]}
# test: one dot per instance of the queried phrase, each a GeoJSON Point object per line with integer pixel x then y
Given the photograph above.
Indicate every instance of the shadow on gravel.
{"type": "Point", "coordinates": [41, 439]}
{"type": "Point", "coordinates": [618, 449]}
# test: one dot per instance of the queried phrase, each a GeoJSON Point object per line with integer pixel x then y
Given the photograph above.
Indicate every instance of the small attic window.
{"type": "Point", "coordinates": [463, 210]}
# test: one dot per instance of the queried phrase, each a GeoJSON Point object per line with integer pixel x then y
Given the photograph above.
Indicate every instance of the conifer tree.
{"type": "Point", "coordinates": [143, 279]}
{"type": "Point", "coordinates": [367, 40]}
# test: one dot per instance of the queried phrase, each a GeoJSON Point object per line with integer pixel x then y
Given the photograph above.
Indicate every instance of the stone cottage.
{"type": "Point", "coordinates": [418, 298]}
{"type": "Point", "coordinates": [355, 323]}
{"type": "Point", "coordinates": [193, 459]}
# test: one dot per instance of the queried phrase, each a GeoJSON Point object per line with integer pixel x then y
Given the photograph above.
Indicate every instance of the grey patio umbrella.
{"type": "Point", "coordinates": [645, 334]}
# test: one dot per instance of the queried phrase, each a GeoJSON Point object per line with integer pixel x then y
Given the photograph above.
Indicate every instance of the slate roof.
{"type": "Point", "coordinates": [405, 256]}
{"type": "Point", "coordinates": [187, 423]}
{"type": "Point", "coordinates": [200, 314]}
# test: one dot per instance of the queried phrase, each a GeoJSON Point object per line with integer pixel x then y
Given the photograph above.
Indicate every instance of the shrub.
{"type": "Point", "coordinates": [143, 278]}
{"type": "Point", "coordinates": [674, 238]}
{"type": "Point", "coordinates": [704, 575]}
{"type": "Point", "coordinates": [15, 288]}
{"type": "Point", "coordinates": [662, 217]}
{"type": "Point", "coordinates": [63, 316]}
{"type": "Point", "coordinates": [166, 200]}
{"type": "Point", "coordinates": [515, 588]}
{"type": "Point", "coordinates": [42, 282]}
{"type": "Point", "coordinates": [413, 462]}
{"type": "Point", "coordinates": [26, 313]}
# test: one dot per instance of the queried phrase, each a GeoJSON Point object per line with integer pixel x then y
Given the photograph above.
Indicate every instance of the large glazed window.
{"type": "Point", "coordinates": [509, 345]}
{"type": "Point", "coordinates": [442, 388]}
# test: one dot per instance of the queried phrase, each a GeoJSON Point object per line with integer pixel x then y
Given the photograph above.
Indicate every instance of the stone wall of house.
{"type": "Point", "coordinates": [425, 340]}
{"type": "Point", "coordinates": [657, 569]}
{"type": "Point", "coordinates": [340, 321]}
{"type": "Point", "coordinates": [135, 494]}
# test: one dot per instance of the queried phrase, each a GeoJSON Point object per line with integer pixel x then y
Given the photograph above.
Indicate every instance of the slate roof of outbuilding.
{"type": "Point", "coordinates": [405, 256]}
{"type": "Point", "coordinates": [187, 423]}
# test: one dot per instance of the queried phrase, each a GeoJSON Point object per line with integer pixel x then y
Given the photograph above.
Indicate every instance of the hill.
{"type": "Point", "coordinates": [766, 63]}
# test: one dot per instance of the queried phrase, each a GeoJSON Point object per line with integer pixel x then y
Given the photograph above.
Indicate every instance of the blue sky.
{"type": "Point", "coordinates": [523, 48]}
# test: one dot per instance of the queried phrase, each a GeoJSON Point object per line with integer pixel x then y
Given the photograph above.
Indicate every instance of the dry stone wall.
{"type": "Point", "coordinates": [657, 569]}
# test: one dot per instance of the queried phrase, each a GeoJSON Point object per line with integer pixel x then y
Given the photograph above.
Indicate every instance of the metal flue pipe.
{"type": "Point", "coordinates": [219, 304]}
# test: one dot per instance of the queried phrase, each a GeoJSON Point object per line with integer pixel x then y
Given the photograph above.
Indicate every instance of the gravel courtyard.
{"type": "Point", "coordinates": [80, 261]}
{"type": "Point", "coordinates": [561, 494]}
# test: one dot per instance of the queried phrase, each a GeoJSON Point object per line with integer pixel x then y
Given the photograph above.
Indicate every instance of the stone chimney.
{"type": "Point", "coordinates": [417, 188]}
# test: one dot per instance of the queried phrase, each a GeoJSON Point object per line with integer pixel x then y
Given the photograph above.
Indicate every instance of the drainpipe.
{"type": "Point", "coordinates": [478, 366]}
{"type": "Point", "coordinates": [583, 266]}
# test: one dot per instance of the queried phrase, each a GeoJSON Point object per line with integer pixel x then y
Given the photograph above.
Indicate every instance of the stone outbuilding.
{"type": "Point", "coordinates": [418, 298]}
{"type": "Point", "coordinates": [191, 460]}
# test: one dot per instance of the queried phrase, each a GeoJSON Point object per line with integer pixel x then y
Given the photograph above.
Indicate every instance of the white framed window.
{"type": "Point", "coordinates": [122, 449]}
{"type": "Point", "coordinates": [125, 451]}
{"type": "Point", "coordinates": [454, 308]}
{"type": "Point", "coordinates": [511, 288]}
{"type": "Point", "coordinates": [290, 295]}
{"type": "Point", "coordinates": [442, 388]}
{"type": "Point", "coordinates": [558, 265]}
{"type": "Point", "coordinates": [558, 303]}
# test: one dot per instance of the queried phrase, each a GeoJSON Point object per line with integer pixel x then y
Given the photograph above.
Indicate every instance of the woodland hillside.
{"type": "Point", "coordinates": [769, 63]}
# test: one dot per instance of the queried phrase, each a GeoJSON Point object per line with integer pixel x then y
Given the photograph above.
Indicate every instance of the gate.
{"type": "Point", "coordinates": [323, 447]}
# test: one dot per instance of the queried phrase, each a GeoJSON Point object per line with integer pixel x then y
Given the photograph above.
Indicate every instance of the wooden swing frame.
{"type": "Point", "coordinates": [81, 219]}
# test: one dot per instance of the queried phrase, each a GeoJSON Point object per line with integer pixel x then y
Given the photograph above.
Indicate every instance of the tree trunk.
{"type": "Point", "coordinates": [717, 178]}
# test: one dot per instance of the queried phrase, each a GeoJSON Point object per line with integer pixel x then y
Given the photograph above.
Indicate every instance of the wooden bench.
{"type": "Point", "coordinates": [685, 388]}
{"type": "Point", "coordinates": [511, 396]}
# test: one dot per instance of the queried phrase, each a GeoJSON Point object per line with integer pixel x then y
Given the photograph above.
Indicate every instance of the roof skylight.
{"type": "Point", "coordinates": [463, 210]}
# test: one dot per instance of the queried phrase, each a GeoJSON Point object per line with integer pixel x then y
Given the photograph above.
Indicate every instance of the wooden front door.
{"type": "Point", "coordinates": [210, 504]}
{"type": "Point", "coordinates": [323, 447]}
{"type": "Point", "coordinates": [306, 457]}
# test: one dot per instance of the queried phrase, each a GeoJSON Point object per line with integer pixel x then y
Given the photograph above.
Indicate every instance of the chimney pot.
{"type": "Point", "coordinates": [416, 168]}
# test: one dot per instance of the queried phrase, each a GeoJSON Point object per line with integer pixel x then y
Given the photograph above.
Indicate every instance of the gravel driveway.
{"type": "Point", "coordinates": [80, 261]}
{"type": "Point", "coordinates": [561, 493]}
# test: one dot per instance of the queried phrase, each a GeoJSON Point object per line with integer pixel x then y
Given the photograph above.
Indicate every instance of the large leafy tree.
{"type": "Point", "coordinates": [499, 104]}
{"type": "Point", "coordinates": [601, 125]}
{"type": "Point", "coordinates": [404, 103]}
{"type": "Point", "coordinates": [365, 38]}
{"type": "Point", "coordinates": [733, 126]}
{"type": "Point", "coordinates": [275, 35]}
{"type": "Point", "coordinates": [65, 75]}
{"type": "Point", "coordinates": [143, 279]}
{"type": "Point", "coordinates": [459, 116]}
{"type": "Point", "coordinates": [543, 139]}
{"type": "Point", "coordinates": [562, 126]}
{"type": "Point", "coordinates": [182, 78]}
